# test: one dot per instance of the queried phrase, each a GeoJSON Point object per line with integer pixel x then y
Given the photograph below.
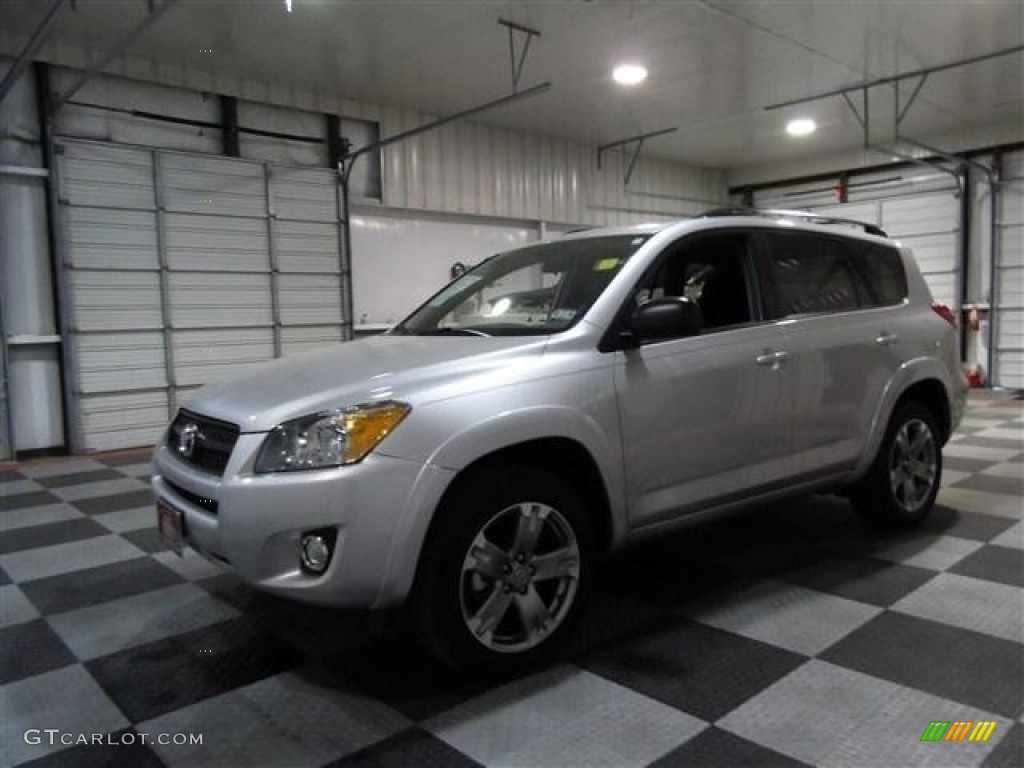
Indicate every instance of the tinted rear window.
{"type": "Point", "coordinates": [881, 269]}
{"type": "Point", "coordinates": [808, 274]}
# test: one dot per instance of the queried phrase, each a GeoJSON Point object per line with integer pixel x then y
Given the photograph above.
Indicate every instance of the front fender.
{"type": "Point", "coordinates": [481, 439]}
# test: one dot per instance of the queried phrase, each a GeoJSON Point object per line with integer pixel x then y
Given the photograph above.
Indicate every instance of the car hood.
{"type": "Point", "coordinates": [414, 369]}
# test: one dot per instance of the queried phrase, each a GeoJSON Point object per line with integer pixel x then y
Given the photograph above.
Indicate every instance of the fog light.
{"type": "Point", "coordinates": [316, 553]}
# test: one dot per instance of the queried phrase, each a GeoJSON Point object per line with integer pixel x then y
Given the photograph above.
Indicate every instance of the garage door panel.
{"type": "Point", "coordinates": [113, 301]}
{"type": "Point", "coordinates": [111, 421]}
{"type": "Point", "coordinates": [1011, 287]}
{"type": "Point", "coordinates": [116, 362]}
{"type": "Point", "coordinates": [1011, 207]}
{"type": "Point", "coordinates": [1011, 248]}
{"type": "Point", "coordinates": [108, 177]}
{"type": "Point", "coordinates": [297, 340]}
{"type": "Point", "coordinates": [933, 253]}
{"type": "Point", "coordinates": [310, 299]}
{"type": "Point", "coordinates": [201, 357]}
{"type": "Point", "coordinates": [866, 212]}
{"type": "Point", "coordinates": [1011, 330]}
{"type": "Point", "coordinates": [920, 214]}
{"type": "Point", "coordinates": [304, 246]}
{"type": "Point", "coordinates": [205, 300]}
{"type": "Point", "coordinates": [198, 184]}
{"type": "Point", "coordinates": [304, 195]}
{"type": "Point", "coordinates": [943, 287]}
{"type": "Point", "coordinates": [111, 239]}
{"type": "Point", "coordinates": [216, 243]}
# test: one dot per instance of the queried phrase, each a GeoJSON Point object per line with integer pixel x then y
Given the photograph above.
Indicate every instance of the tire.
{"type": "Point", "coordinates": [505, 571]}
{"type": "Point", "coordinates": [900, 487]}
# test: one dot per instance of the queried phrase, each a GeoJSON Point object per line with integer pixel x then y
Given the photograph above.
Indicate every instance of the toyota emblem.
{"type": "Point", "coordinates": [187, 440]}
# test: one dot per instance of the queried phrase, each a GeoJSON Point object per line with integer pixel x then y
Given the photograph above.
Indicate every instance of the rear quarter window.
{"type": "Point", "coordinates": [881, 270]}
{"type": "Point", "coordinates": [807, 274]}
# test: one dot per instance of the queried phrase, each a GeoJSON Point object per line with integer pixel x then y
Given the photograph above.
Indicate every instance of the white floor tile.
{"type": "Point", "coordinates": [101, 488]}
{"type": "Point", "coordinates": [975, 604]}
{"type": "Point", "coordinates": [62, 467]}
{"type": "Point", "coordinates": [67, 699]}
{"type": "Point", "coordinates": [1011, 537]}
{"type": "Point", "coordinates": [564, 716]}
{"type": "Point", "coordinates": [26, 517]}
{"type": "Point", "coordinates": [983, 453]}
{"type": "Point", "coordinates": [128, 519]}
{"type": "Point", "coordinates": [283, 720]}
{"type": "Point", "coordinates": [108, 627]}
{"type": "Point", "coordinates": [985, 503]}
{"type": "Point", "coordinates": [784, 615]}
{"type": "Point", "coordinates": [15, 608]}
{"type": "Point", "coordinates": [30, 564]}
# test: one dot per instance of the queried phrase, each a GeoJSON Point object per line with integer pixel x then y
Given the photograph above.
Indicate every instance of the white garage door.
{"type": "Point", "coordinates": [920, 208]}
{"type": "Point", "coordinates": [184, 268]}
{"type": "Point", "coordinates": [1009, 347]}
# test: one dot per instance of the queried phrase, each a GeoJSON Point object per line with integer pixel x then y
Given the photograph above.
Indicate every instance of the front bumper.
{"type": "Point", "coordinates": [380, 508]}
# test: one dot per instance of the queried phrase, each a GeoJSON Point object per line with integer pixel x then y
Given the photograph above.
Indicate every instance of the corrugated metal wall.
{"type": "Point", "coordinates": [185, 268]}
{"type": "Point", "coordinates": [920, 208]}
{"type": "Point", "coordinates": [1009, 347]}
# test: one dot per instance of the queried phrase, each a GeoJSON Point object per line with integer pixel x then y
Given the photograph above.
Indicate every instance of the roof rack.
{"type": "Point", "coordinates": [809, 216]}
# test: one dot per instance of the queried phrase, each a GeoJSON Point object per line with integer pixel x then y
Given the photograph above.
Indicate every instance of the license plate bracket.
{"type": "Point", "coordinates": [169, 521]}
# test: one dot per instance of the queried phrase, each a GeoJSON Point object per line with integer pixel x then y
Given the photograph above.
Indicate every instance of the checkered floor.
{"type": "Point", "coordinates": [787, 635]}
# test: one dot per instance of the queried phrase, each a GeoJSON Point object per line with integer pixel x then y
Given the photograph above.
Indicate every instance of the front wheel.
{"type": "Point", "coordinates": [901, 486]}
{"type": "Point", "coordinates": [505, 571]}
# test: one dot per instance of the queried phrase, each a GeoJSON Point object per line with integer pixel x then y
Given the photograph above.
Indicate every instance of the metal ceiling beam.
{"type": "Point", "coordinates": [896, 78]}
{"type": "Point", "coordinates": [31, 48]}
{"type": "Point", "coordinates": [517, 65]}
{"type": "Point", "coordinates": [518, 95]}
{"type": "Point", "coordinates": [635, 155]}
{"type": "Point", "coordinates": [153, 13]}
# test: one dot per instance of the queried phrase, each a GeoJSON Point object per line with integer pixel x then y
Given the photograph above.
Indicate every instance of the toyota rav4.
{"type": "Point", "coordinates": [559, 401]}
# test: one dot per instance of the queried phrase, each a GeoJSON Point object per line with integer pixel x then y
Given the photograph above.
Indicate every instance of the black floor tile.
{"type": "Point", "coordinates": [967, 525]}
{"type": "Point", "coordinates": [858, 578]}
{"type": "Point", "coordinates": [49, 534]}
{"type": "Point", "coordinates": [4, 578]}
{"type": "Point", "coordinates": [133, 458]}
{"type": "Point", "coordinates": [147, 539]}
{"type": "Point", "coordinates": [1002, 564]}
{"type": "Point", "coordinates": [119, 749]}
{"type": "Point", "coordinates": [993, 442]}
{"type": "Point", "coordinates": [24, 500]}
{"type": "Point", "coordinates": [153, 679]}
{"type": "Point", "coordinates": [30, 649]}
{"type": "Point", "coordinates": [7, 476]}
{"type": "Point", "coordinates": [78, 478]}
{"type": "Point", "coordinates": [68, 591]}
{"type": "Point", "coordinates": [969, 667]}
{"type": "Point", "coordinates": [115, 503]}
{"type": "Point", "coordinates": [393, 668]}
{"type": "Point", "coordinates": [414, 747]}
{"type": "Point", "coordinates": [698, 669]}
{"type": "Point", "coordinates": [961, 464]}
{"type": "Point", "coordinates": [715, 748]}
{"type": "Point", "coordinates": [1009, 753]}
{"type": "Point", "coordinates": [1011, 486]}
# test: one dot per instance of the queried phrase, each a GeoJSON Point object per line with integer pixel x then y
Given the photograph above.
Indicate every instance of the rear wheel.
{"type": "Point", "coordinates": [505, 571]}
{"type": "Point", "coordinates": [901, 486]}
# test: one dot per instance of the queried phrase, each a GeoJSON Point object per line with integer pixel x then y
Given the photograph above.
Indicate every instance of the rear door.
{"type": "Point", "coordinates": [705, 418]}
{"type": "Point", "coordinates": [840, 301]}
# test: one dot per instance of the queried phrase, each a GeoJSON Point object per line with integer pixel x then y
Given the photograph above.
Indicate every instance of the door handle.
{"type": "Point", "coordinates": [772, 359]}
{"type": "Point", "coordinates": [887, 339]}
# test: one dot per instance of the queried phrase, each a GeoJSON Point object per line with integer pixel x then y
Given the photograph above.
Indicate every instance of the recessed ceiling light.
{"type": "Point", "coordinates": [802, 126]}
{"type": "Point", "coordinates": [629, 74]}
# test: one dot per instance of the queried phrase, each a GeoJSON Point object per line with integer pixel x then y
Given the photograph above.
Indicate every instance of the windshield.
{"type": "Point", "coordinates": [541, 289]}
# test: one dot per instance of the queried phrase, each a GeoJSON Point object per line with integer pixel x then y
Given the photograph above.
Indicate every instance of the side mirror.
{"type": "Point", "coordinates": [666, 318]}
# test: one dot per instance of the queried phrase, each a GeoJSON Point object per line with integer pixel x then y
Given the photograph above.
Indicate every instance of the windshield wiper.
{"type": "Point", "coordinates": [453, 332]}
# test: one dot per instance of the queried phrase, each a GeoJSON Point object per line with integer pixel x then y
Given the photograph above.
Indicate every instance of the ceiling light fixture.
{"type": "Point", "coordinates": [802, 126]}
{"type": "Point", "coordinates": [629, 74]}
{"type": "Point", "coordinates": [288, 5]}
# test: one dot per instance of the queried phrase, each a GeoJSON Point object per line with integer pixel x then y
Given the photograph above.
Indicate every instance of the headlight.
{"type": "Point", "coordinates": [329, 438]}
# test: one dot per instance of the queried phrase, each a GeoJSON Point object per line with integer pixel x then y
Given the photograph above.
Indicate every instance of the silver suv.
{"type": "Point", "coordinates": [559, 401]}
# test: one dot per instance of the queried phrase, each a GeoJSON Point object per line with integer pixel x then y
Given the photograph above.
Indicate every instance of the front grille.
{"type": "Point", "coordinates": [210, 505]}
{"type": "Point", "coordinates": [210, 444]}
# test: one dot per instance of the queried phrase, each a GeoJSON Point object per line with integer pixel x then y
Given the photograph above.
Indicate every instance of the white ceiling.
{"type": "Point", "coordinates": [714, 65]}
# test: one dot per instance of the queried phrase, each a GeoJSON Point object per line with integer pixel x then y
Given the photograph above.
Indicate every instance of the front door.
{"type": "Point", "coordinates": [708, 417]}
